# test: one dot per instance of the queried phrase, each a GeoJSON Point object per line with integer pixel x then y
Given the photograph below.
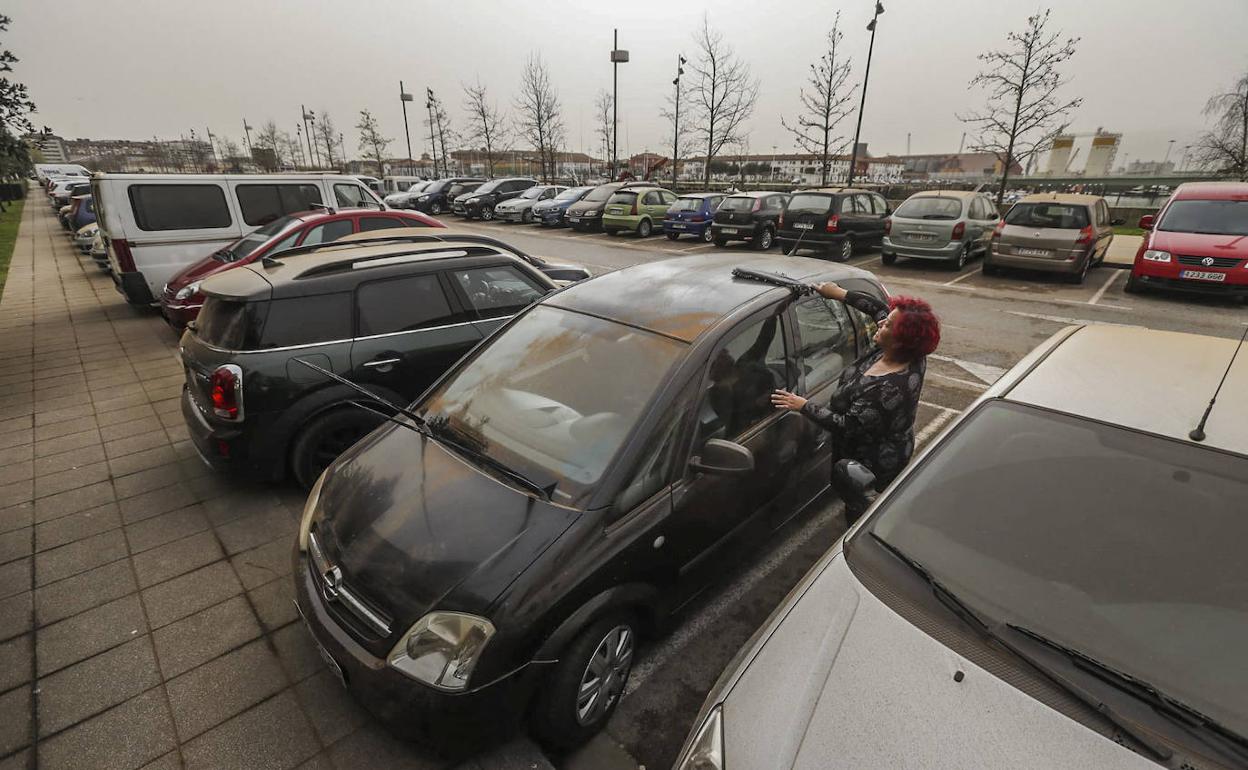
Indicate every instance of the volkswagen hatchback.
{"type": "Point", "coordinates": [498, 554]}
{"type": "Point", "coordinates": [1199, 242]}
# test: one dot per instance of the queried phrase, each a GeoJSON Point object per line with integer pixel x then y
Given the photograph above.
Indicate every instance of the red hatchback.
{"type": "Point", "coordinates": [180, 301]}
{"type": "Point", "coordinates": [1198, 243]}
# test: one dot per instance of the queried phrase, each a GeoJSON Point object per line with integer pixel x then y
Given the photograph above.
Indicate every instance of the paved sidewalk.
{"type": "Point", "coordinates": [146, 615]}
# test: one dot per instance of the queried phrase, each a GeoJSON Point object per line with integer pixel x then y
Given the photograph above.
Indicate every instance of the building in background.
{"type": "Point", "coordinates": [1102, 154]}
{"type": "Point", "coordinates": [955, 167]}
{"type": "Point", "coordinates": [1060, 155]}
{"type": "Point", "coordinates": [50, 146]}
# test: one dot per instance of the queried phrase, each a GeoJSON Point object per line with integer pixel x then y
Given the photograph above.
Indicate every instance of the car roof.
{"type": "Point", "coordinates": [1212, 191]}
{"type": "Point", "coordinates": [684, 296]}
{"type": "Point", "coordinates": [756, 193]}
{"type": "Point", "coordinates": [1075, 198]}
{"type": "Point", "coordinates": [1146, 379]}
{"type": "Point", "coordinates": [832, 190]}
{"type": "Point", "coordinates": [946, 194]}
{"type": "Point", "coordinates": [701, 195]}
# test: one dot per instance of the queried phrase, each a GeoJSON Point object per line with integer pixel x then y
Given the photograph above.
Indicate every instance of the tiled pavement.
{"type": "Point", "coordinates": [145, 603]}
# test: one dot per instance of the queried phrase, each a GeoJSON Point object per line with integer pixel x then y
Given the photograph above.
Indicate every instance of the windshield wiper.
{"type": "Point", "coordinates": [959, 608]}
{"type": "Point", "coordinates": [447, 436]}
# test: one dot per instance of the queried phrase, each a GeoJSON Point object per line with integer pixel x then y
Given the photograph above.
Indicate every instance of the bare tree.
{"type": "Point", "coordinates": [603, 107]}
{"type": "Point", "coordinates": [231, 154]}
{"type": "Point", "coordinates": [326, 136]}
{"type": "Point", "coordinates": [541, 115]}
{"type": "Point", "coordinates": [1224, 149]}
{"type": "Point", "coordinates": [291, 147]}
{"type": "Point", "coordinates": [1023, 112]}
{"type": "Point", "coordinates": [723, 94]}
{"type": "Point", "coordinates": [828, 101]}
{"type": "Point", "coordinates": [487, 127]}
{"type": "Point", "coordinates": [372, 143]}
{"type": "Point", "coordinates": [269, 138]}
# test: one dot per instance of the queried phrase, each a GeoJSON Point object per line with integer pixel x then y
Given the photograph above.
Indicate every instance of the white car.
{"type": "Point", "coordinates": [1058, 581]}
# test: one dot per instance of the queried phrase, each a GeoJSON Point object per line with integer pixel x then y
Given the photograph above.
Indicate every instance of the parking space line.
{"type": "Point", "coordinates": [960, 278]}
{"type": "Point", "coordinates": [966, 384]}
{"type": "Point", "coordinates": [699, 246]}
{"type": "Point", "coordinates": [1104, 288]}
{"type": "Point", "coordinates": [934, 426]}
{"type": "Point", "coordinates": [865, 260]}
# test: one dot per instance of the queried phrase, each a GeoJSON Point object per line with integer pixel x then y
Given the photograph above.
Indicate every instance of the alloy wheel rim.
{"type": "Point", "coordinates": [766, 240]}
{"type": "Point", "coordinates": [706, 235]}
{"type": "Point", "coordinates": [847, 249]}
{"type": "Point", "coordinates": [603, 680]}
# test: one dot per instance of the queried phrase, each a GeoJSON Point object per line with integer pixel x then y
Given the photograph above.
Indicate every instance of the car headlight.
{"type": "Point", "coordinates": [423, 198]}
{"type": "Point", "coordinates": [187, 291]}
{"type": "Point", "coordinates": [591, 213]}
{"type": "Point", "coordinates": [309, 510]}
{"type": "Point", "coordinates": [1153, 255]}
{"type": "Point", "coordinates": [442, 649]}
{"type": "Point", "coordinates": [707, 750]}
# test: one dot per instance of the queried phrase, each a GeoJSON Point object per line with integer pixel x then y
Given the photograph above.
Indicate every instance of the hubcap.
{"type": "Point", "coordinates": [847, 249]}
{"type": "Point", "coordinates": [766, 240]}
{"type": "Point", "coordinates": [436, 208]}
{"type": "Point", "coordinates": [706, 235]}
{"type": "Point", "coordinates": [605, 675]}
{"type": "Point", "coordinates": [487, 213]}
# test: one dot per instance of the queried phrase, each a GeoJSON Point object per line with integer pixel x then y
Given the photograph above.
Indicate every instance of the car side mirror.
{"type": "Point", "coordinates": [1117, 222]}
{"type": "Point", "coordinates": [569, 274]}
{"type": "Point", "coordinates": [723, 457]}
{"type": "Point", "coordinates": [1146, 222]}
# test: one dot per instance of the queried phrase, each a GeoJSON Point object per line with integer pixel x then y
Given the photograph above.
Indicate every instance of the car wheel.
{"type": "Point", "coordinates": [644, 228]}
{"type": "Point", "coordinates": [959, 260]}
{"type": "Point", "coordinates": [673, 236]}
{"type": "Point", "coordinates": [327, 436]}
{"type": "Point", "coordinates": [847, 250]}
{"type": "Point", "coordinates": [435, 208]}
{"type": "Point", "coordinates": [487, 213]}
{"type": "Point", "coordinates": [720, 242]}
{"type": "Point", "coordinates": [706, 235]}
{"type": "Point", "coordinates": [764, 240]}
{"type": "Point", "coordinates": [527, 217]}
{"type": "Point", "coordinates": [888, 259]}
{"type": "Point", "coordinates": [1077, 278]}
{"type": "Point", "coordinates": [1134, 285]}
{"type": "Point", "coordinates": [586, 685]}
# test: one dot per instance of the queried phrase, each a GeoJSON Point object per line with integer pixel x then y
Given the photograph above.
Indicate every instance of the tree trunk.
{"type": "Point", "coordinates": [1009, 152]}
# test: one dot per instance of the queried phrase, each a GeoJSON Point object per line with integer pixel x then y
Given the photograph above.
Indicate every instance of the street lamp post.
{"type": "Point", "coordinates": [213, 149]}
{"type": "Point", "coordinates": [618, 57]}
{"type": "Point", "coordinates": [247, 135]}
{"type": "Point", "coordinates": [862, 103]}
{"type": "Point", "coordinates": [680, 70]}
{"type": "Point", "coordinates": [404, 98]}
{"type": "Point", "coordinates": [307, 132]}
{"type": "Point", "coordinates": [1169, 146]}
{"type": "Point", "coordinates": [342, 145]}
{"type": "Point", "coordinates": [299, 141]}
{"type": "Point", "coordinates": [433, 136]}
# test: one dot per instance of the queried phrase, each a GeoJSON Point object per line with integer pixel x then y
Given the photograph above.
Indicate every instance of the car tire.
{"type": "Point", "coordinates": [1134, 285]}
{"type": "Point", "coordinates": [888, 259]}
{"type": "Point", "coordinates": [959, 260]}
{"type": "Point", "coordinates": [706, 235]}
{"type": "Point", "coordinates": [562, 718]}
{"type": "Point", "coordinates": [720, 242]}
{"type": "Point", "coordinates": [325, 437]}
{"type": "Point", "coordinates": [487, 213]}
{"type": "Point", "coordinates": [435, 208]}
{"type": "Point", "coordinates": [846, 250]}
{"type": "Point", "coordinates": [1077, 278]}
{"type": "Point", "coordinates": [764, 240]}
{"type": "Point", "coordinates": [672, 236]}
{"type": "Point", "coordinates": [644, 228]}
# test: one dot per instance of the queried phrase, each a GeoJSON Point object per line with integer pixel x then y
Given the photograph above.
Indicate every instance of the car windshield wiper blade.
{"type": "Point", "coordinates": [446, 435]}
{"type": "Point", "coordinates": [960, 608]}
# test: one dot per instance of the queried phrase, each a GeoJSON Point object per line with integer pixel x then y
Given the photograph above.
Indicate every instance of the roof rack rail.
{"type": "Point", "coordinates": [413, 238]}
{"type": "Point", "coordinates": [354, 263]}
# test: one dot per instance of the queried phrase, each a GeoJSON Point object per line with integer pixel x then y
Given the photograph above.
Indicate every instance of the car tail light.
{"type": "Point", "coordinates": [125, 260]}
{"type": "Point", "coordinates": [959, 230]}
{"type": "Point", "coordinates": [635, 197]}
{"type": "Point", "coordinates": [227, 392]}
{"type": "Point", "coordinates": [834, 222]}
{"type": "Point", "coordinates": [996, 231]}
{"type": "Point", "coordinates": [888, 226]}
{"type": "Point", "coordinates": [1085, 236]}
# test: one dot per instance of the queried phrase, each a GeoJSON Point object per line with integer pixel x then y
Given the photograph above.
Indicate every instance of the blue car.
{"type": "Point", "coordinates": [692, 215]}
{"type": "Point", "coordinates": [550, 213]}
{"type": "Point", "coordinates": [83, 214]}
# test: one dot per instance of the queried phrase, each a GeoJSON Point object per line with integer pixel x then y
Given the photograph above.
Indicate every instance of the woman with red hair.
{"type": "Point", "coordinates": [871, 414]}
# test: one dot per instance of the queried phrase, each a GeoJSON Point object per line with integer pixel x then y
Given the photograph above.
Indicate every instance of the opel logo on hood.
{"type": "Point", "coordinates": [1207, 261]}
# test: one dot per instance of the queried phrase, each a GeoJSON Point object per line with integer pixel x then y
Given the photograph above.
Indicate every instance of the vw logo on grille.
{"type": "Point", "coordinates": [1207, 261]}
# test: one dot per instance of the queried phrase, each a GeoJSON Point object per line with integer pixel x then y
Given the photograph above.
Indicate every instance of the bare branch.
{"type": "Point", "coordinates": [372, 143]}
{"type": "Point", "coordinates": [1224, 148]}
{"type": "Point", "coordinates": [825, 105]}
{"type": "Point", "coordinates": [723, 95]}
{"type": "Point", "coordinates": [541, 115]}
{"type": "Point", "coordinates": [487, 127]}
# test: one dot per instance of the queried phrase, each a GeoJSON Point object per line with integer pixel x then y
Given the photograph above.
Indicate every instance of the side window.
{"type": "Point", "coordinates": [990, 209]}
{"type": "Point", "coordinates": [402, 305]}
{"type": "Point", "coordinates": [668, 197]}
{"type": "Point", "coordinates": [497, 291]}
{"type": "Point", "coordinates": [976, 209]}
{"type": "Point", "coordinates": [653, 470]}
{"type": "Point", "coordinates": [379, 223]}
{"type": "Point", "coordinates": [863, 204]}
{"type": "Point", "coordinates": [307, 320]}
{"type": "Point", "coordinates": [715, 201]}
{"type": "Point", "coordinates": [350, 196]}
{"type": "Point", "coordinates": [827, 339]}
{"type": "Point", "coordinates": [179, 206]}
{"type": "Point", "coordinates": [867, 328]}
{"type": "Point", "coordinates": [848, 206]}
{"type": "Point", "coordinates": [330, 231]}
{"type": "Point", "coordinates": [879, 205]}
{"type": "Point", "coordinates": [652, 198]}
{"type": "Point", "coordinates": [286, 242]}
{"type": "Point", "coordinates": [262, 203]}
{"type": "Point", "coordinates": [741, 377]}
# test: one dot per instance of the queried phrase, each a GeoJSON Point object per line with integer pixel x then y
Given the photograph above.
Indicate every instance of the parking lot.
{"type": "Point", "coordinates": [145, 602]}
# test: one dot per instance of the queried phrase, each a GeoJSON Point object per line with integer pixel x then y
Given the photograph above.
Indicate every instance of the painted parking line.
{"type": "Point", "coordinates": [1104, 288]}
{"type": "Point", "coordinates": [864, 260]}
{"type": "Point", "coordinates": [1069, 321]}
{"type": "Point", "coordinates": [962, 277]}
{"type": "Point", "coordinates": [697, 246]}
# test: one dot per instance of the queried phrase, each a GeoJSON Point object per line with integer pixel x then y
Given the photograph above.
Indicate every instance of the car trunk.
{"type": "Point", "coordinates": [922, 232]}
{"type": "Point", "coordinates": [736, 211]}
{"type": "Point", "coordinates": [621, 204]}
{"type": "Point", "coordinates": [807, 213]}
{"type": "Point", "coordinates": [1037, 242]}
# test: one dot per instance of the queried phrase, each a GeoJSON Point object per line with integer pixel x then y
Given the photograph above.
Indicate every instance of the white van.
{"type": "Point", "coordinates": [157, 224]}
{"type": "Point", "coordinates": [45, 170]}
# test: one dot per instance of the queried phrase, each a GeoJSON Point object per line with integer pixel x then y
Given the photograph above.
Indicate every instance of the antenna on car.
{"type": "Point", "coordinates": [371, 396]}
{"type": "Point", "coordinates": [775, 279]}
{"type": "Point", "coordinates": [1198, 433]}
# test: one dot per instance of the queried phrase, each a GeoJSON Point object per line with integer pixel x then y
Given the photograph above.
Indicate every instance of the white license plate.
{"type": "Point", "coordinates": [804, 226]}
{"type": "Point", "coordinates": [616, 211]}
{"type": "Point", "coordinates": [1202, 275]}
{"type": "Point", "coordinates": [677, 226]}
{"type": "Point", "coordinates": [729, 230]}
{"type": "Point", "coordinates": [574, 219]}
{"type": "Point", "coordinates": [1032, 252]}
{"type": "Point", "coordinates": [922, 237]}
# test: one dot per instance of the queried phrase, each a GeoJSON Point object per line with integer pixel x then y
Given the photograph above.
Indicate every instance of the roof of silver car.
{"type": "Point", "coordinates": [1154, 381]}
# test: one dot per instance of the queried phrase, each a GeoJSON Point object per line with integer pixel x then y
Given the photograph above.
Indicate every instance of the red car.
{"type": "Point", "coordinates": [180, 302]}
{"type": "Point", "coordinates": [1197, 243]}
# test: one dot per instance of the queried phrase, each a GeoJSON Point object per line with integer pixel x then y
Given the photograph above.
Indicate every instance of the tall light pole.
{"type": "Point", "coordinates": [433, 134]}
{"type": "Point", "coordinates": [299, 141]}
{"type": "Point", "coordinates": [618, 57]}
{"type": "Point", "coordinates": [1169, 146]}
{"type": "Point", "coordinates": [247, 135]}
{"type": "Point", "coordinates": [862, 103]}
{"type": "Point", "coordinates": [213, 148]}
{"type": "Point", "coordinates": [404, 98]}
{"type": "Point", "coordinates": [307, 132]}
{"type": "Point", "coordinates": [680, 70]}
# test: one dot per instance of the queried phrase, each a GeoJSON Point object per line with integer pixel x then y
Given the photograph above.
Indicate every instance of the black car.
{"type": "Point", "coordinates": [749, 216]}
{"type": "Point", "coordinates": [438, 196]}
{"type": "Point", "coordinates": [565, 489]}
{"type": "Point", "coordinates": [480, 203]}
{"type": "Point", "coordinates": [389, 314]}
{"type": "Point", "coordinates": [833, 220]}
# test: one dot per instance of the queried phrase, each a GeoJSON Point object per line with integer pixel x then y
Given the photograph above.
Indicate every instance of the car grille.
{"type": "Point", "coordinates": [353, 611]}
{"type": "Point", "coordinates": [1217, 261]}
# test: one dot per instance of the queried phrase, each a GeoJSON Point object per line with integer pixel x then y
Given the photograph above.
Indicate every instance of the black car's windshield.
{"type": "Point", "coordinates": [252, 241]}
{"type": "Point", "coordinates": [600, 194]}
{"type": "Point", "coordinates": [808, 204]}
{"type": "Point", "coordinates": [490, 186]}
{"type": "Point", "coordinates": [1062, 216]}
{"type": "Point", "coordinates": [555, 395]}
{"type": "Point", "coordinates": [1213, 217]}
{"type": "Point", "coordinates": [571, 195]}
{"type": "Point", "coordinates": [459, 188]}
{"type": "Point", "coordinates": [1125, 546]}
{"type": "Point", "coordinates": [929, 207]}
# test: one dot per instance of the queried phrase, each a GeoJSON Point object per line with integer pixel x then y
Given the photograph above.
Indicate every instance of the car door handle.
{"type": "Point", "coordinates": [382, 362]}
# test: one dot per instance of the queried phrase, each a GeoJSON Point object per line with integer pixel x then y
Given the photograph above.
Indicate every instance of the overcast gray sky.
{"type": "Point", "coordinates": [138, 68]}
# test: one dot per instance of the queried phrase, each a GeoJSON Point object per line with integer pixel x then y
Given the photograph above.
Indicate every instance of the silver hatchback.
{"type": "Point", "coordinates": [950, 226]}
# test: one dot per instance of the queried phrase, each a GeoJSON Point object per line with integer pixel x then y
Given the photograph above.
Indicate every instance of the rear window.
{"type": "Point", "coordinates": [1060, 216]}
{"type": "Point", "coordinates": [263, 203]}
{"type": "Point", "coordinates": [179, 206]}
{"type": "Point", "coordinates": [930, 207]}
{"type": "Point", "coordinates": [737, 204]}
{"type": "Point", "coordinates": [230, 324]}
{"type": "Point", "coordinates": [805, 203]}
{"type": "Point", "coordinates": [687, 204]}
{"type": "Point", "coordinates": [1212, 217]}
{"type": "Point", "coordinates": [307, 320]}
{"type": "Point", "coordinates": [623, 197]}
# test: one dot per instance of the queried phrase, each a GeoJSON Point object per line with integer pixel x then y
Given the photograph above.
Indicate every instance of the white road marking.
{"type": "Point", "coordinates": [931, 429]}
{"type": "Point", "coordinates": [1005, 293]}
{"type": "Point", "coordinates": [1068, 321]}
{"type": "Point", "coordinates": [967, 384]}
{"type": "Point", "coordinates": [961, 278]}
{"type": "Point", "coordinates": [863, 261]}
{"type": "Point", "coordinates": [986, 372]}
{"type": "Point", "coordinates": [1104, 288]}
{"type": "Point", "coordinates": [699, 246]}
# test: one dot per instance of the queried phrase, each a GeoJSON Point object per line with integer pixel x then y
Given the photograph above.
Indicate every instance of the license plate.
{"type": "Point", "coordinates": [615, 211]}
{"type": "Point", "coordinates": [804, 226]}
{"type": "Point", "coordinates": [1032, 252]}
{"type": "Point", "coordinates": [574, 219]}
{"type": "Point", "coordinates": [325, 656]}
{"type": "Point", "coordinates": [1202, 275]}
{"type": "Point", "coordinates": [922, 237]}
{"type": "Point", "coordinates": [729, 230]}
{"type": "Point", "coordinates": [677, 226]}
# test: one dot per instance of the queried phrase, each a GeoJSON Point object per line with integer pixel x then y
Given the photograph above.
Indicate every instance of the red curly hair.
{"type": "Point", "coordinates": [917, 329]}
